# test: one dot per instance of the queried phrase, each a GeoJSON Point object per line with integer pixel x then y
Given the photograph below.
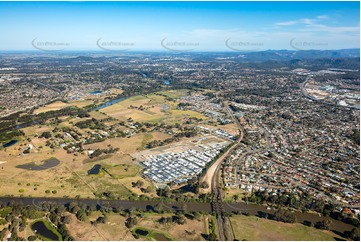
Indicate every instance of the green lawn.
{"type": "Point", "coordinates": [254, 228]}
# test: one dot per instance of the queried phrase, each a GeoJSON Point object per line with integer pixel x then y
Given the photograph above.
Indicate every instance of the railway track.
{"type": "Point", "coordinates": [223, 223]}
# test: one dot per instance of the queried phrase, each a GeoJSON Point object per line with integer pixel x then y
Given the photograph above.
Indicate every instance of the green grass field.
{"type": "Point", "coordinates": [254, 228]}
{"type": "Point", "coordinates": [122, 171]}
{"type": "Point", "coordinates": [175, 93]}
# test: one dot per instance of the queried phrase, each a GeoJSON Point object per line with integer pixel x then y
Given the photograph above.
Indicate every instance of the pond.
{"type": "Point", "coordinates": [8, 144]}
{"type": "Point", "coordinates": [141, 232]}
{"type": "Point", "coordinates": [96, 92]}
{"type": "Point", "coordinates": [47, 164]}
{"type": "Point", "coordinates": [94, 170]}
{"type": "Point", "coordinates": [40, 228]}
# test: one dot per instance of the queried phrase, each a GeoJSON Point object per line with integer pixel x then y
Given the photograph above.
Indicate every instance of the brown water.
{"type": "Point", "coordinates": [252, 209]}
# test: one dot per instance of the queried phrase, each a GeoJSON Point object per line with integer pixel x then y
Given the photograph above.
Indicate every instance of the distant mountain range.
{"type": "Point", "coordinates": [261, 56]}
{"type": "Point", "coordinates": [284, 55]}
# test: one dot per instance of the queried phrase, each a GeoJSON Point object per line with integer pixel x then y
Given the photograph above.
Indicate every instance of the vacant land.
{"type": "Point", "coordinates": [174, 93]}
{"type": "Point", "coordinates": [152, 108]}
{"type": "Point", "coordinates": [191, 230]}
{"type": "Point", "coordinates": [60, 105]}
{"type": "Point", "coordinates": [52, 107]}
{"type": "Point", "coordinates": [69, 177]}
{"type": "Point", "coordinates": [122, 171]}
{"type": "Point", "coordinates": [254, 228]}
{"type": "Point", "coordinates": [114, 229]}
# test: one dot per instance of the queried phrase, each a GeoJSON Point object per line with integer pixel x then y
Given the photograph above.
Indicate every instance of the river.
{"type": "Point", "coordinates": [252, 209]}
{"type": "Point", "coordinates": [109, 103]}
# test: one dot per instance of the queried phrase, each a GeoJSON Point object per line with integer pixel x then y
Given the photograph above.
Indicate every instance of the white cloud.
{"type": "Point", "coordinates": [307, 21]}
{"type": "Point", "coordinates": [322, 17]}
{"type": "Point", "coordinates": [314, 25]}
{"type": "Point", "coordinates": [288, 23]}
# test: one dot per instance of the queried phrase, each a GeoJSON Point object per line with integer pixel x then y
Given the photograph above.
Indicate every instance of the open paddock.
{"type": "Point", "coordinates": [58, 181]}
{"type": "Point", "coordinates": [192, 230]}
{"type": "Point", "coordinates": [52, 107]}
{"type": "Point", "coordinates": [151, 108]}
{"type": "Point", "coordinates": [254, 228]}
{"type": "Point", "coordinates": [113, 230]}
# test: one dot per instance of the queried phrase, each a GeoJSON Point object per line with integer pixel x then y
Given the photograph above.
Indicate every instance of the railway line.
{"type": "Point", "coordinates": [224, 227]}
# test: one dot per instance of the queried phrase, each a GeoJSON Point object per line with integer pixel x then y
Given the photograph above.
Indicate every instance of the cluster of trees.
{"type": "Point", "coordinates": [353, 234]}
{"type": "Point", "coordinates": [212, 231]}
{"type": "Point", "coordinates": [178, 219]}
{"type": "Point", "coordinates": [284, 216]}
{"type": "Point", "coordinates": [91, 124]}
{"type": "Point", "coordinates": [16, 215]}
{"type": "Point", "coordinates": [46, 135]}
{"type": "Point", "coordinates": [131, 221]}
{"type": "Point", "coordinates": [41, 117]}
{"type": "Point", "coordinates": [7, 136]}
{"type": "Point", "coordinates": [101, 219]}
{"type": "Point", "coordinates": [139, 184]}
{"type": "Point", "coordinates": [9, 122]}
{"type": "Point", "coordinates": [98, 152]}
{"type": "Point", "coordinates": [303, 202]}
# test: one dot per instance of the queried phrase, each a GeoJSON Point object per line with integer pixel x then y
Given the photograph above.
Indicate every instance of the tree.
{"type": "Point", "coordinates": [324, 224]}
{"type": "Point", "coordinates": [45, 135]}
{"type": "Point", "coordinates": [148, 189]}
{"type": "Point", "coordinates": [204, 184]}
{"type": "Point", "coordinates": [179, 219]}
{"type": "Point", "coordinates": [131, 222]}
{"type": "Point", "coordinates": [80, 215]}
{"type": "Point", "coordinates": [354, 234]}
{"type": "Point", "coordinates": [67, 219]}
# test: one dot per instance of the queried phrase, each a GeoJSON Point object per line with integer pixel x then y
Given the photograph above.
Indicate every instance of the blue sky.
{"type": "Point", "coordinates": [202, 26]}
